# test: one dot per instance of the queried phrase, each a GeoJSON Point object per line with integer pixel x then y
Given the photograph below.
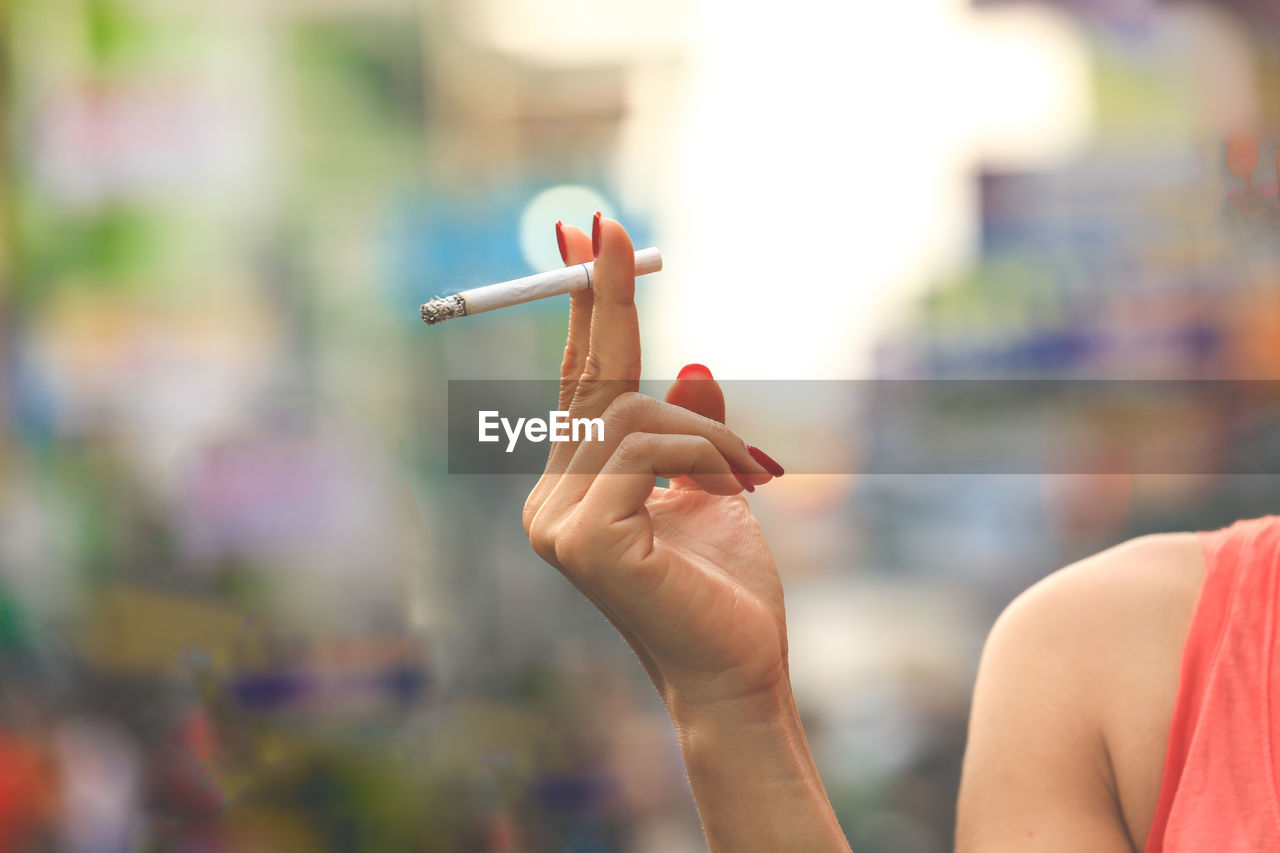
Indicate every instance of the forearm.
{"type": "Point", "coordinates": [753, 776]}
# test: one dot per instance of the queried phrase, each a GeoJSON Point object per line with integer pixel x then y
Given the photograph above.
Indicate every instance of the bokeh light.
{"type": "Point", "coordinates": [571, 204]}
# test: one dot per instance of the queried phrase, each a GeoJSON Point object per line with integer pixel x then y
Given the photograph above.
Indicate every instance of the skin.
{"type": "Point", "coordinates": [1073, 702]}
{"type": "Point", "coordinates": [1077, 683]}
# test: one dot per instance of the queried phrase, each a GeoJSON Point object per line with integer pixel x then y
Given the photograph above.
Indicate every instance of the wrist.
{"type": "Point", "coordinates": [709, 706]}
{"type": "Point", "coordinates": [752, 774]}
{"type": "Point", "coordinates": [763, 728]}
{"type": "Point", "coordinates": [745, 691]}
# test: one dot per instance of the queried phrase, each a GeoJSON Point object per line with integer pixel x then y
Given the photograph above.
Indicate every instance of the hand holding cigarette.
{"type": "Point", "coordinates": [613, 509]}
{"type": "Point", "coordinates": [683, 573]}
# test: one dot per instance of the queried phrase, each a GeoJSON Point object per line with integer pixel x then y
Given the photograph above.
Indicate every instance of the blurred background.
{"type": "Point", "coordinates": [243, 605]}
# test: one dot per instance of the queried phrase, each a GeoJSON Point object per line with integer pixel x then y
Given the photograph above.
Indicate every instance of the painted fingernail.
{"type": "Point", "coordinates": [595, 235]}
{"type": "Point", "coordinates": [764, 459]}
{"type": "Point", "coordinates": [694, 371]}
{"type": "Point", "coordinates": [742, 479]}
{"type": "Point", "coordinates": [564, 250]}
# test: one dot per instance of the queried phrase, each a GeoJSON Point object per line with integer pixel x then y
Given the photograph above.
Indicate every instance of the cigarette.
{"type": "Point", "coordinates": [507, 293]}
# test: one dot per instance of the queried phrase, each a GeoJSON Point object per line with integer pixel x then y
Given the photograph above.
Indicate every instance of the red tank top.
{"type": "Point", "coordinates": [1219, 788]}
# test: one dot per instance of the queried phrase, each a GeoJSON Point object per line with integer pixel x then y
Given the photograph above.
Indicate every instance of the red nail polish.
{"type": "Point", "coordinates": [564, 250]}
{"type": "Point", "coordinates": [694, 371]}
{"type": "Point", "coordinates": [763, 458]}
{"type": "Point", "coordinates": [742, 479]}
{"type": "Point", "coordinates": [595, 235]}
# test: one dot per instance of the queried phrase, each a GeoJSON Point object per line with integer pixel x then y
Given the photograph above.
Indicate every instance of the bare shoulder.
{"type": "Point", "coordinates": [1143, 584]}
{"type": "Point", "coordinates": [1073, 700]}
{"type": "Point", "coordinates": [1140, 592]}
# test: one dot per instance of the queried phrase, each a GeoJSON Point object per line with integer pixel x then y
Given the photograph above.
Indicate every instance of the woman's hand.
{"type": "Point", "coordinates": [684, 572]}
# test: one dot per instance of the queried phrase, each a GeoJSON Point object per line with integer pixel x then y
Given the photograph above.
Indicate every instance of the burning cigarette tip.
{"type": "Point", "coordinates": [444, 308]}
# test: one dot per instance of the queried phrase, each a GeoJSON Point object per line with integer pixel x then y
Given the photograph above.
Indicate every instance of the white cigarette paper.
{"type": "Point", "coordinates": [531, 287]}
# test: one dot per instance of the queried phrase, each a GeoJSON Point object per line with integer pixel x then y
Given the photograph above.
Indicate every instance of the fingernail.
{"type": "Point", "coordinates": [742, 479]}
{"type": "Point", "coordinates": [694, 371]}
{"type": "Point", "coordinates": [564, 250]}
{"type": "Point", "coordinates": [595, 235]}
{"type": "Point", "coordinates": [764, 459]}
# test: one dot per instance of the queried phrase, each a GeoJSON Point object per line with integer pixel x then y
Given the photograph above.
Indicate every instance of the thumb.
{"type": "Point", "coordinates": [696, 390]}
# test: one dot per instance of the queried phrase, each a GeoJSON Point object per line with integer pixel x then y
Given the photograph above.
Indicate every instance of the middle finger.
{"type": "Point", "coordinates": [612, 363]}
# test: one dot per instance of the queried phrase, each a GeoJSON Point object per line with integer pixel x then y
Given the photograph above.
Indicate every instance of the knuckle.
{"type": "Point", "coordinates": [591, 367]}
{"type": "Point", "coordinates": [594, 369]}
{"type": "Point", "coordinates": [542, 537]}
{"type": "Point", "coordinates": [704, 447]}
{"type": "Point", "coordinates": [627, 408]}
{"type": "Point", "coordinates": [571, 364]}
{"type": "Point", "coordinates": [572, 545]}
{"type": "Point", "coordinates": [588, 394]}
{"type": "Point", "coordinates": [634, 447]}
{"type": "Point", "coordinates": [712, 430]}
{"type": "Point", "coordinates": [532, 504]}
{"type": "Point", "coordinates": [568, 391]}
{"type": "Point", "coordinates": [718, 433]}
{"type": "Point", "coordinates": [701, 455]}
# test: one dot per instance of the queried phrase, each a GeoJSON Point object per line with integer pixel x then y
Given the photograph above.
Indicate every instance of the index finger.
{"type": "Point", "coordinates": [612, 365]}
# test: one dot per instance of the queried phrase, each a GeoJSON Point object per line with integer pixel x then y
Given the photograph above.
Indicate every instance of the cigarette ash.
{"type": "Point", "coordinates": [444, 308]}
